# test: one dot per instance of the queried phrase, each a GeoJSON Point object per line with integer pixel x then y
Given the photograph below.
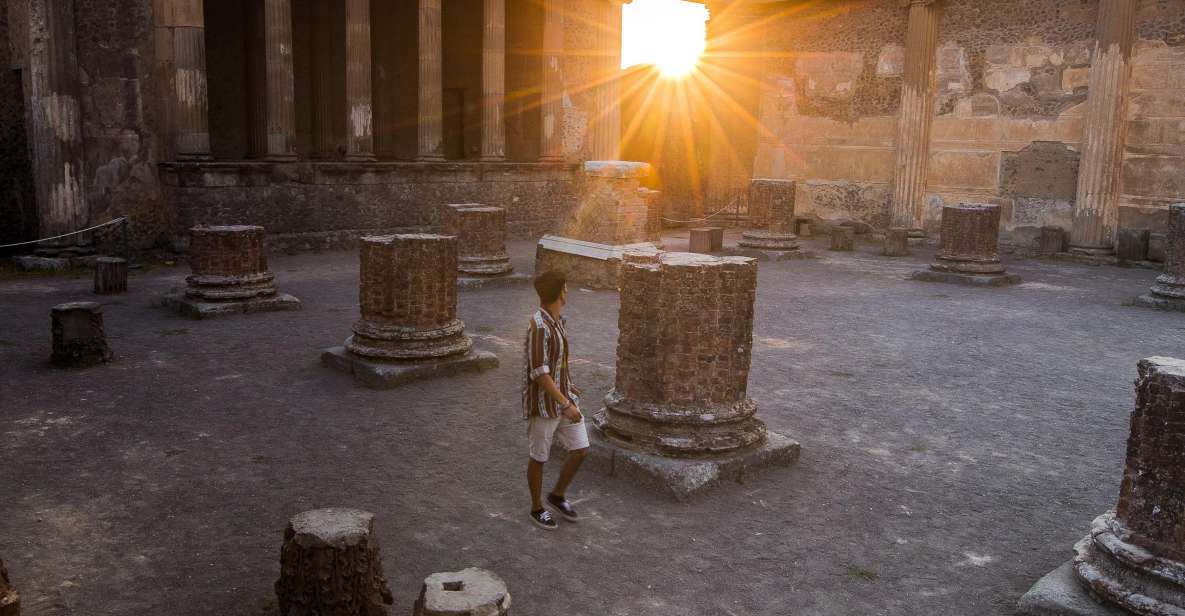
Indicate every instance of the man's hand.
{"type": "Point", "coordinates": [572, 413]}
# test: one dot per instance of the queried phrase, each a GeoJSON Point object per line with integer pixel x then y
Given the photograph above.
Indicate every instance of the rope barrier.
{"type": "Point", "coordinates": [705, 218]}
{"type": "Point", "coordinates": [57, 237]}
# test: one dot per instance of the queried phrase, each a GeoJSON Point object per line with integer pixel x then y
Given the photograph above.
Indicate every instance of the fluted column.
{"type": "Point", "coordinates": [430, 140]}
{"type": "Point", "coordinates": [280, 87]}
{"type": "Point", "coordinates": [552, 109]}
{"type": "Point", "coordinates": [326, 69]}
{"type": "Point", "coordinates": [1096, 209]}
{"type": "Point", "coordinates": [191, 108]}
{"type": "Point", "coordinates": [256, 65]}
{"type": "Point", "coordinates": [606, 123]}
{"type": "Point", "coordinates": [55, 126]}
{"type": "Point", "coordinates": [360, 123]}
{"type": "Point", "coordinates": [493, 80]}
{"type": "Point", "coordinates": [915, 117]}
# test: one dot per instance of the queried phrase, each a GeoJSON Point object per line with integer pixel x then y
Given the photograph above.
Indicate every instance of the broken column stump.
{"type": "Point", "coordinates": [843, 239]}
{"type": "Point", "coordinates": [1169, 291]}
{"type": "Point", "coordinates": [771, 210]}
{"type": "Point", "coordinates": [969, 249]}
{"type": "Point", "coordinates": [896, 242]}
{"type": "Point", "coordinates": [1133, 560]}
{"type": "Point", "coordinates": [612, 216]}
{"type": "Point", "coordinates": [230, 275]}
{"type": "Point", "coordinates": [111, 275]}
{"type": "Point", "coordinates": [330, 566]}
{"type": "Point", "coordinates": [10, 599]}
{"type": "Point", "coordinates": [706, 240]}
{"type": "Point", "coordinates": [679, 417]}
{"type": "Point", "coordinates": [472, 592]}
{"type": "Point", "coordinates": [78, 337]}
{"type": "Point", "coordinates": [482, 260]}
{"type": "Point", "coordinates": [409, 328]}
{"type": "Point", "coordinates": [653, 200]}
{"type": "Point", "coordinates": [1053, 241]}
{"type": "Point", "coordinates": [1131, 244]}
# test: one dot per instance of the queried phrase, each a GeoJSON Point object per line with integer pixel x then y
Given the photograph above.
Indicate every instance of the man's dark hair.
{"type": "Point", "coordinates": [549, 285]}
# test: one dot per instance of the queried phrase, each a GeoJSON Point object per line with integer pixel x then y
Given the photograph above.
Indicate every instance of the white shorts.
{"type": "Point", "coordinates": [541, 431]}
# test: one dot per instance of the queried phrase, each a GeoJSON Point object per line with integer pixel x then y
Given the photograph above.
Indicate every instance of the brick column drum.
{"type": "Point", "coordinates": [230, 274]}
{"type": "Point", "coordinates": [1134, 556]}
{"type": "Point", "coordinates": [683, 358]}
{"type": "Point", "coordinates": [1169, 291]}
{"type": "Point", "coordinates": [481, 236]}
{"type": "Point", "coordinates": [771, 210]}
{"type": "Point", "coordinates": [409, 327]}
{"type": "Point", "coordinates": [969, 249]}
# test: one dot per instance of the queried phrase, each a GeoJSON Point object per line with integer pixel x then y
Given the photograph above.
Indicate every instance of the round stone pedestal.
{"type": "Point", "coordinates": [78, 337]}
{"type": "Point", "coordinates": [771, 208]}
{"type": "Point", "coordinates": [229, 263]}
{"type": "Point", "coordinates": [764, 239]}
{"type": "Point", "coordinates": [683, 357]}
{"type": "Point", "coordinates": [1169, 290]}
{"type": "Point", "coordinates": [472, 592]}
{"type": "Point", "coordinates": [330, 565]}
{"type": "Point", "coordinates": [481, 236]}
{"type": "Point", "coordinates": [408, 296]}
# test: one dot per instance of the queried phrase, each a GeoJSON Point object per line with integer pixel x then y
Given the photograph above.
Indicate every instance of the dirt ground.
{"type": "Point", "coordinates": [956, 443]}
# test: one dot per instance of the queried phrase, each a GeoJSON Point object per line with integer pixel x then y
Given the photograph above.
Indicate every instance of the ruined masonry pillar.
{"type": "Point", "coordinates": [493, 81]}
{"type": "Point", "coordinates": [1169, 290]}
{"type": "Point", "coordinates": [280, 86]}
{"type": "Point", "coordinates": [674, 313]}
{"type": "Point", "coordinates": [430, 140]}
{"type": "Point", "coordinates": [605, 124]}
{"type": "Point", "coordinates": [1134, 557]}
{"type": "Point", "coordinates": [230, 274]}
{"type": "Point", "coordinates": [915, 117]}
{"type": "Point", "coordinates": [78, 337]}
{"type": "Point", "coordinates": [360, 123]}
{"type": "Point", "coordinates": [969, 252]}
{"type": "Point", "coordinates": [330, 564]}
{"type": "Point", "coordinates": [552, 110]}
{"type": "Point", "coordinates": [55, 127]}
{"type": "Point", "coordinates": [191, 108]}
{"type": "Point", "coordinates": [1096, 206]}
{"type": "Point", "coordinates": [771, 209]}
{"type": "Point", "coordinates": [481, 237]}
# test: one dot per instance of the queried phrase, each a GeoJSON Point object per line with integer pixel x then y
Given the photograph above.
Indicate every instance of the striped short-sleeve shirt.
{"type": "Point", "coordinates": [546, 353]}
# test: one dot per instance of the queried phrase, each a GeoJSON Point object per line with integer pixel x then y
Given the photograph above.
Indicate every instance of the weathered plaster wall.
{"type": "Point", "coordinates": [335, 200]}
{"type": "Point", "coordinates": [18, 206]}
{"type": "Point", "coordinates": [1010, 85]}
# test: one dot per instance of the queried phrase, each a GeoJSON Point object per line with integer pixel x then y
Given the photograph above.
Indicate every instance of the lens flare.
{"type": "Point", "coordinates": [666, 33]}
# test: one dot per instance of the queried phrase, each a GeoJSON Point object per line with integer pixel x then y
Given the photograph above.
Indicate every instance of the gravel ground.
{"type": "Point", "coordinates": [956, 443]}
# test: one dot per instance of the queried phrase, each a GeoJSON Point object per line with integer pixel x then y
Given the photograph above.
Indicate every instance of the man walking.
{"type": "Point", "coordinates": [549, 400]}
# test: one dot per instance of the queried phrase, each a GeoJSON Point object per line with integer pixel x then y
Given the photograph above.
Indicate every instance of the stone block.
{"type": "Point", "coordinates": [379, 374]}
{"type": "Point", "coordinates": [182, 304]}
{"type": "Point", "coordinates": [896, 243]}
{"type": "Point", "coordinates": [493, 282]}
{"type": "Point", "coordinates": [843, 239]}
{"type": "Point", "coordinates": [78, 337]}
{"type": "Point", "coordinates": [1156, 242]}
{"type": "Point", "coordinates": [471, 592]}
{"type": "Point", "coordinates": [707, 240]}
{"type": "Point", "coordinates": [111, 276]}
{"type": "Point", "coordinates": [974, 280]}
{"type": "Point", "coordinates": [1059, 593]}
{"type": "Point", "coordinates": [1053, 240]}
{"type": "Point", "coordinates": [1131, 244]}
{"type": "Point", "coordinates": [588, 264]}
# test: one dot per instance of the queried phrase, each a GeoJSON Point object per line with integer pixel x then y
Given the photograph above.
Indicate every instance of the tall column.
{"type": "Point", "coordinates": [191, 108]}
{"type": "Point", "coordinates": [915, 117]}
{"type": "Point", "coordinates": [55, 127]}
{"type": "Point", "coordinates": [430, 141]}
{"type": "Point", "coordinates": [493, 81]}
{"type": "Point", "coordinates": [360, 124]}
{"type": "Point", "coordinates": [552, 109]}
{"type": "Point", "coordinates": [326, 71]}
{"type": "Point", "coordinates": [1096, 208]}
{"type": "Point", "coordinates": [281, 96]}
{"type": "Point", "coordinates": [606, 123]}
{"type": "Point", "coordinates": [255, 48]}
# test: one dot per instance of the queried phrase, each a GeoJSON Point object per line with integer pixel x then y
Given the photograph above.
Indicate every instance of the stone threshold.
{"type": "Point", "coordinates": [972, 280]}
{"type": "Point", "coordinates": [178, 302]}
{"type": "Point", "coordinates": [377, 374]}
{"type": "Point", "coordinates": [1160, 303]}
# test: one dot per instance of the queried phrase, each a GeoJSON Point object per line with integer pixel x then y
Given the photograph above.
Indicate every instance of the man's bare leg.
{"type": "Point", "coordinates": [571, 465]}
{"type": "Point", "coordinates": [535, 483]}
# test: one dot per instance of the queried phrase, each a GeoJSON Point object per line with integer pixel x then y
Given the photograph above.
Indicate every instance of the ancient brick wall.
{"type": "Point", "coordinates": [18, 207]}
{"type": "Point", "coordinates": [1011, 83]}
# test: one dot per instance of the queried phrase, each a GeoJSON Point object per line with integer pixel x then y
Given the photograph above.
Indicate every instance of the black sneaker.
{"type": "Point", "coordinates": [543, 519]}
{"type": "Point", "coordinates": [563, 507]}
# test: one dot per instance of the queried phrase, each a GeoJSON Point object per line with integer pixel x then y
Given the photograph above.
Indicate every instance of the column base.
{"type": "Point", "coordinates": [377, 374]}
{"type": "Point", "coordinates": [186, 158]}
{"type": "Point", "coordinates": [361, 158]}
{"type": "Point", "coordinates": [1092, 251]}
{"type": "Point", "coordinates": [1158, 302]}
{"type": "Point", "coordinates": [280, 158]}
{"type": "Point", "coordinates": [430, 158]}
{"type": "Point", "coordinates": [492, 282]}
{"type": "Point", "coordinates": [1060, 594]}
{"type": "Point", "coordinates": [679, 478]}
{"type": "Point", "coordinates": [492, 159]}
{"type": "Point", "coordinates": [178, 302]}
{"type": "Point", "coordinates": [550, 159]}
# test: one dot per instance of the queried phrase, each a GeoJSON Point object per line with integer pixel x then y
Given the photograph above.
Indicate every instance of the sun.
{"type": "Point", "coordinates": [666, 33]}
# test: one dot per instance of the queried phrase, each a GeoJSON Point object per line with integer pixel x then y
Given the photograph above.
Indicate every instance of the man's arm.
{"type": "Point", "coordinates": [567, 407]}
